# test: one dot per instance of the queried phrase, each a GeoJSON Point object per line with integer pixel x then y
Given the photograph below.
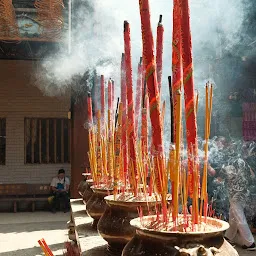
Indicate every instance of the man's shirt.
{"type": "Point", "coordinates": [60, 183]}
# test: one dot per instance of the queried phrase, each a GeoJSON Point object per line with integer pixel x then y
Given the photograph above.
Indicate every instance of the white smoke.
{"type": "Point", "coordinates": [98, 37]}
{"type": "Point", "coordinates": [97, 41]}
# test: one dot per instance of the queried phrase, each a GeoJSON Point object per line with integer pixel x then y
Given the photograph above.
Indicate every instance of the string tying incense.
{"type": "Point", "coordinates": [131, 119]}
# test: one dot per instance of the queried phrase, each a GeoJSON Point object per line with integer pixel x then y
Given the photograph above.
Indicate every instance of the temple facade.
{"type": "Point", "coordinates": [38, 132]}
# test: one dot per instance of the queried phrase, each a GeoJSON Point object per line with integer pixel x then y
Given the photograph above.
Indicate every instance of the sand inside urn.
{"type": "Point", "coordinates": [129, 197]}
{"type": "Point", "coordinates": [182, 226]}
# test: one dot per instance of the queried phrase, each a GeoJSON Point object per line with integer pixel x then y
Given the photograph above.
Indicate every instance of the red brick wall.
{"type": "Point", "coordinates": [20, 98]}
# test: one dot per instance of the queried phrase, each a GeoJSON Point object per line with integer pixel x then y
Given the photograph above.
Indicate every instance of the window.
{"type": "Point", "coordinates": [2, 140]}
{"type": "Point", "coordinates": [47, 140]}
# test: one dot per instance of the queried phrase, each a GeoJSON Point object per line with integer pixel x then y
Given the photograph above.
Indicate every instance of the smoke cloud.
{"type": "Point", "coordinates": [97, 44]}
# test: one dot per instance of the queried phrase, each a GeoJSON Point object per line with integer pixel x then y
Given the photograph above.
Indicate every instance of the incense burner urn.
{"type": "Point", "coordinates": [114, 225]}
{"type": "Point", "coordinates": [82, 185]}
{"type": "Point", "coordinates": [151, 242]}
{"type": "Point", "coordinates": [96, 205]}
{"type": "Point", "coordinates": [87, 191]}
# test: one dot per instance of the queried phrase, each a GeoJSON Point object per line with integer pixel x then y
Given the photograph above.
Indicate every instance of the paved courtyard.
{"type": "Point", "coordinates": [19, 232]}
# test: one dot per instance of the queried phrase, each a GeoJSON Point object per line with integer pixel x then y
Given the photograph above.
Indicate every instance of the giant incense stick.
{"type": "Point", "coordinates": [124, 119]}
{"type": "Point", "coordinates": [159, 52]}
{"type": "Point", "coordinates": [131, 120]}
{"type": "Point", "coordinates": [176, 56]}
{"type": "Point", "coordinates": [154, 104]}
{"type": "Point", "coordinates": [188, 81]}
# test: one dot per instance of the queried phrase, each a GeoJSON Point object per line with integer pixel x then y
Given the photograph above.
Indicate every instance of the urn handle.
{"type": "Point", "coordinates": [198, 251]}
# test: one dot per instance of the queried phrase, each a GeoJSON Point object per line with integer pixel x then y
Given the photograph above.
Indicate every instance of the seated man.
{"type": "Point", "coordinates": [60, 191]}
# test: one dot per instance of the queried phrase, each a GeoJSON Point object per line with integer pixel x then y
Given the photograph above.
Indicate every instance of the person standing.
{"type": "Point", "coordinates": [237, 175]}
{"type": "Point", "coordinates": [60, 191]}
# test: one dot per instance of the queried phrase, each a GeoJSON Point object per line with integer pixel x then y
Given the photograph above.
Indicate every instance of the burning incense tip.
{"type": "Point", "coordinates": [126, 24]}
{"type": "Point", "coordinates": [89, 94]}
{"type": "Point", "coordinates": [123, 56]}
{"type": "Point", "coordinates": [160, 19]}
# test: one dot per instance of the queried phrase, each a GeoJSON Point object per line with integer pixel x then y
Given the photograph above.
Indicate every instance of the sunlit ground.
{"type": "Point", "coordinates": [19, 232]}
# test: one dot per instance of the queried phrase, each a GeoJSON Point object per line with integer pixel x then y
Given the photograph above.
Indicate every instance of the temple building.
{"type": "Point", "coordinates": [36, 129]}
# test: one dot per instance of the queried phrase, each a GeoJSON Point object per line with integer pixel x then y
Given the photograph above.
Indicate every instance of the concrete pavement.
{"type": "Point", "coordinates": [19, 232]}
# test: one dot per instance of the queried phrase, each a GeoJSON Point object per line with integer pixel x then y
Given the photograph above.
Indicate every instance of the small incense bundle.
{"type": "Point", "coordinates": [138, 95]}
{"type": "Point", "coordinates": [110, 101]}
{"type": "Point", "coordinates": [99, 148]}
{"type": "Point", "coordinates": [89, 112]}
{"type": "Point", "coordinates": [110, 163]}
{"type": "Point", "coordinates": [8, 24]}
{"type": "Point", "coordinates": [176, 175]}
{"type": "Point", "coordinates": [92, 154]}
{"type": "Point", "coordinates": [118, 137]}
{"type": "Point", "coordinates": [208, 111]}
{"type": "Point", "coordinates": [47, 251]}
{"type": "Point", "coordinates": [102, 93]}
{"type": "Point", "coordinates": [50, 18]}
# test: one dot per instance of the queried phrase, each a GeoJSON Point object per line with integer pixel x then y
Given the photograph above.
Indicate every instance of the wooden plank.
{"type": "Point", "coordinates": [55, 140]}
{"type": "Point", "coordinates": [47, 141]}
{"type": "Point", "coordinates": [62, 140]}
{"type": "Point", "coordinates": [40, 141]}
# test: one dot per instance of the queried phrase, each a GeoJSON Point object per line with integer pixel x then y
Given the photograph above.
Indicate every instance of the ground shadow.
{"type": "Point", "coordinates": [98, 251]}
{"type": "Point", "coordinates": [31, 227]}
{"type": "Point", "coordinates": [35, 251]}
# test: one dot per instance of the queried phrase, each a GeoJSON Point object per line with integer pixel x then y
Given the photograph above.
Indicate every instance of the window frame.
{"type": "Point", "coordinates": [65, 144]}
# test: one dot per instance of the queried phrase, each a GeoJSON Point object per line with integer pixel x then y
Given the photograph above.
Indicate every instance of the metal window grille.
{"type": "Point", "coordinates": [47, 140]}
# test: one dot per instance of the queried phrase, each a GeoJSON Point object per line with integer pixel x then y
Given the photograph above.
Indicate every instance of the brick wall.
{"type": "Point", "coordinates": [19, 98]}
